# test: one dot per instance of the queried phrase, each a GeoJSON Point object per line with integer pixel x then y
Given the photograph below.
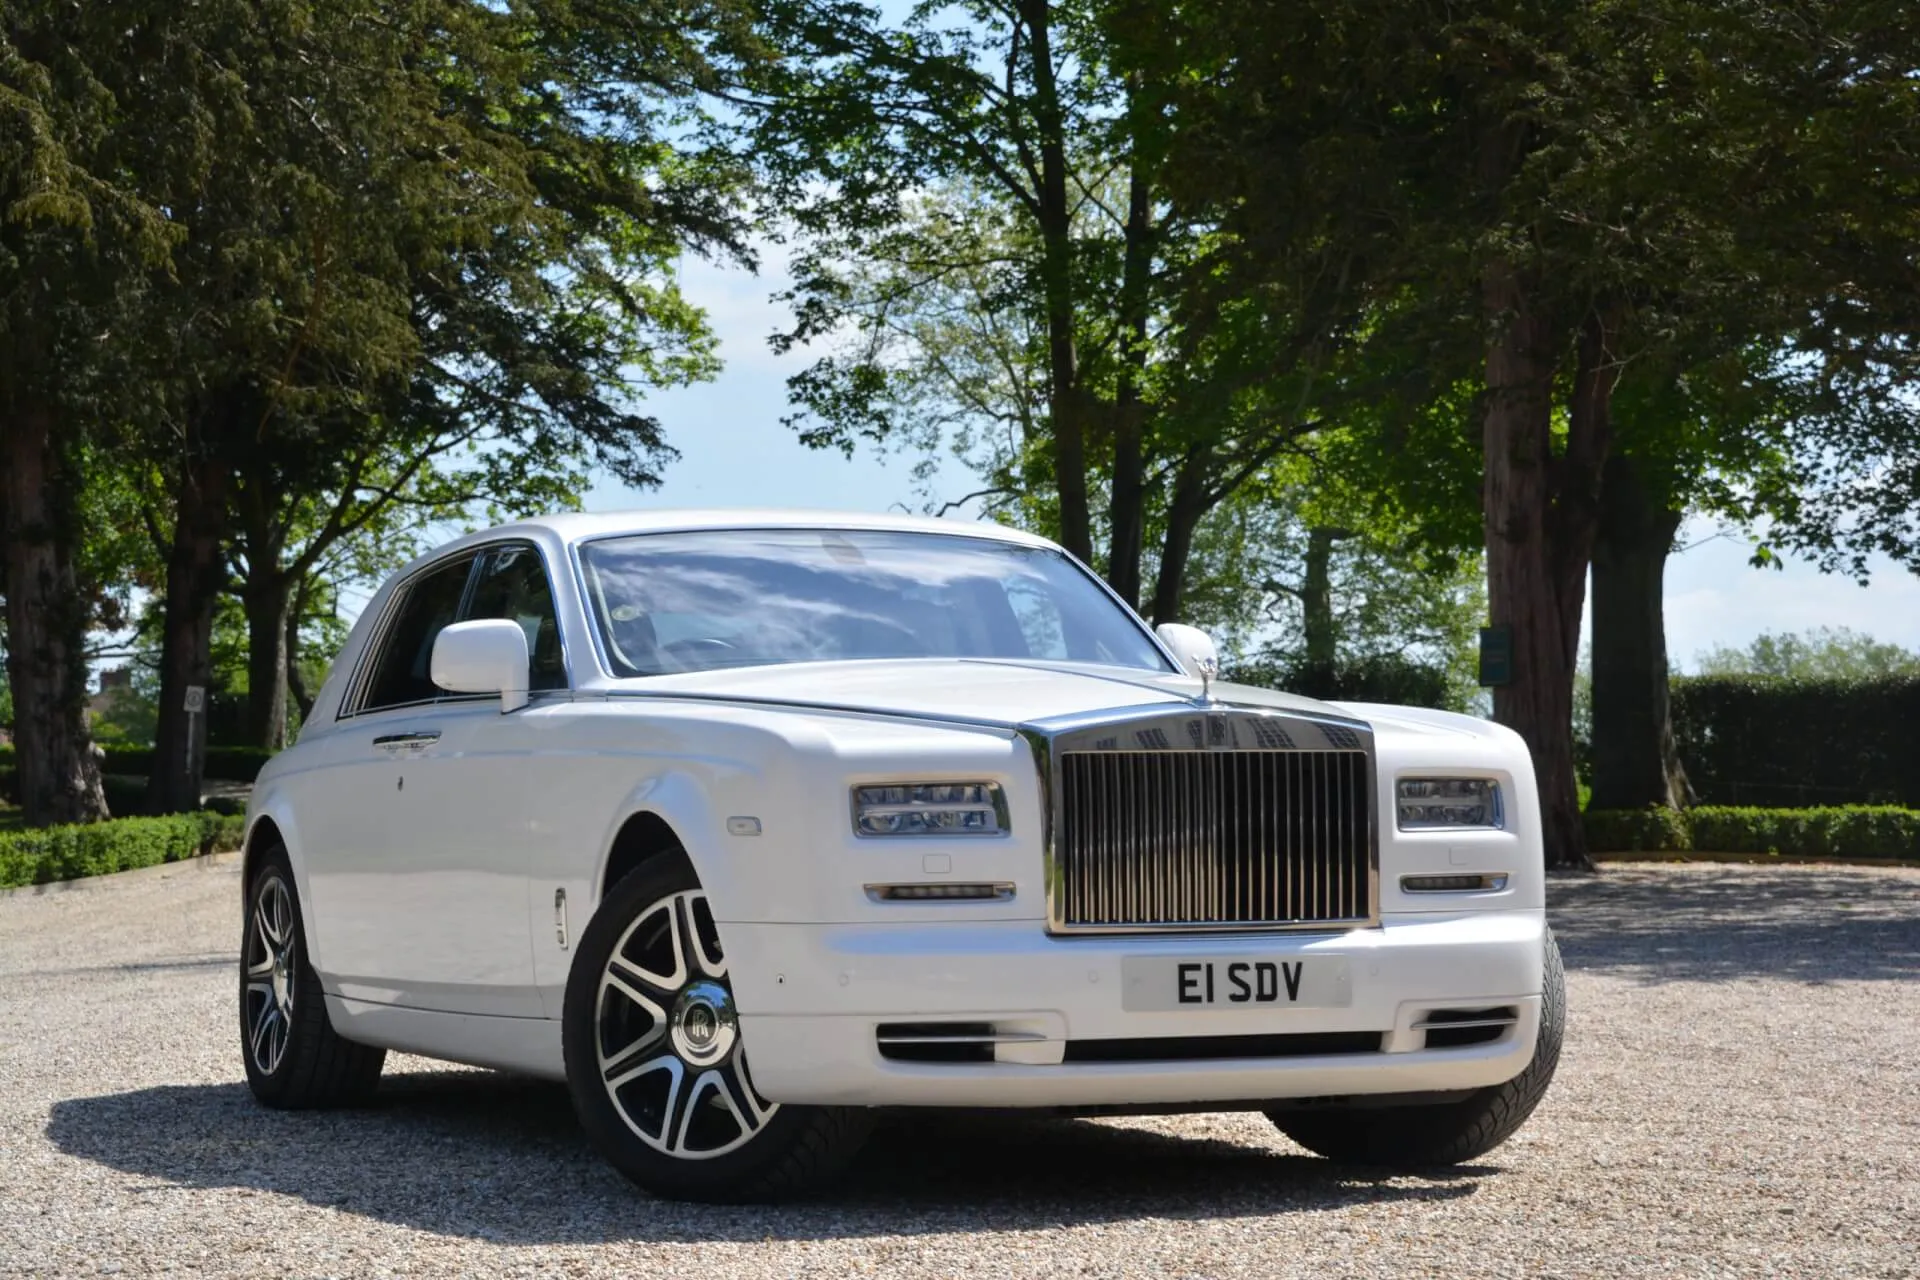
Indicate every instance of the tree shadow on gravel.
{"type": "Point", "coordinates": [1702, 923]}
{"type": "Point", "coordinates": [501, 1158]}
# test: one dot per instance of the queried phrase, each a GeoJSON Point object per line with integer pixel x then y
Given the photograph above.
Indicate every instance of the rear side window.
{"type": "Point", "coordinates": [512, 584]}
{"type": "Point", "coordinates": [402, 670]}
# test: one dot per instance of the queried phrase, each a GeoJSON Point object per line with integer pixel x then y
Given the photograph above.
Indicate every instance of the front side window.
{"type": "Point", "coordinates": [402, 670]}
{"type": "Point", "coordinates": [512, 584]}
{"type": "Point", "coordinates": [732, 598]}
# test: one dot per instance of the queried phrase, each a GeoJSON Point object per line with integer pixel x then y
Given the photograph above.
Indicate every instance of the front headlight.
{"type": "Point", "coordinates": [1433, 804]}
{"type": "Point", "coordinates": [930, 809]}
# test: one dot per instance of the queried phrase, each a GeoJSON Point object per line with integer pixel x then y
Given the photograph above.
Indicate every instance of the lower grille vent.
{"type": "Point", "coordinates": [1458, 1028]}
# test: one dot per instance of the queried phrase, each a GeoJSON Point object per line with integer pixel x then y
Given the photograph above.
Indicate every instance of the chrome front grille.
{"type": "Point", "coordinates": [1213, 839]}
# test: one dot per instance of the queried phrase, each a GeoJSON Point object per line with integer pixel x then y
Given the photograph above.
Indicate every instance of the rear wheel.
{"type": "Point", "coordinates": [655, 1062]}
{"type": "Point", "coordinates": [1450, 1132]}
{"type": "Point", "coordinates": [293, 1056]}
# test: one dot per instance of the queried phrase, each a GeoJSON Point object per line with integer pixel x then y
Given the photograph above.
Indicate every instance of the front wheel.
{"type": "Point", "coordinates": [654, 1060]}
{"type": "Point", "coordinates": [1449, 1132]}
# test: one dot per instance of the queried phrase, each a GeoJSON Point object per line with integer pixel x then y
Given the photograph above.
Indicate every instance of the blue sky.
{"type": "Point", "coordinates": [735, 452]}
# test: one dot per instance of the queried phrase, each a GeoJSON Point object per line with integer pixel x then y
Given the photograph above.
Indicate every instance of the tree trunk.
{"type": "Point", "coordinates": [1056, 269]}
{"type": "Point", "coordinates": [1184, 513]}
{"type": "Point", "coordinates": [296, 683]}
{"type": "Point", "coordinates": [57, 777]}
{"type": "Point", "coordinates": [267, 605]}
{"type": "Point", "coordinates": [1635, 761]}
{"type": "Point", "coordinates": [1316, 598]}
{"type": "Point", "coordinates": [1126, 517]}
{"type": "Point", "coordinates": [1526, 587]}
{"type": "Point", "coordinates": [196, 574]}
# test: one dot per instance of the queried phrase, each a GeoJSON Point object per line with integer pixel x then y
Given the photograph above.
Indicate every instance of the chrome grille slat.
{"type": "Point", "coordinates": [1165, 839]}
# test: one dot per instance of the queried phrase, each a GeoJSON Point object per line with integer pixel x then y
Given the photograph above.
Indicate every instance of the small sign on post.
{"type": "Point", "coordinates": [1496, 656]}
{"type": "Point", "coordinates": [196, 702]}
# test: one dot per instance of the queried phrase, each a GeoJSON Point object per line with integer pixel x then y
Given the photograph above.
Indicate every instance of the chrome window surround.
{"type": "Point", "coordinates": [351, 697]}
{"type": "Point", "coordinates": [1213, 727]}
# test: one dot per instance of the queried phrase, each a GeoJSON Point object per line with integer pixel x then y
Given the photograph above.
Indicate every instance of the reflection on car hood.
{"type": "Point", "coordinates": [997, 692]}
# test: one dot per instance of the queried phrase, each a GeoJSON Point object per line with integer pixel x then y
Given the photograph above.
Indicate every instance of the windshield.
{"type": "Point", "coordinates": [671, 602]}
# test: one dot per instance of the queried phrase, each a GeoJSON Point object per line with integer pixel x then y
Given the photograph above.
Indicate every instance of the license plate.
{"type": "Point", "coordinates": [1158, 984]}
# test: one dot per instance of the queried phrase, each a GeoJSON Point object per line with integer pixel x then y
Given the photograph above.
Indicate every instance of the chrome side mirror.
{"type": "Point", "coordinates": [488, 655]}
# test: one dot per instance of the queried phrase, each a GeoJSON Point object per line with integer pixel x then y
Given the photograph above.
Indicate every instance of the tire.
{"type": "Point", "coordinates": [659, 1077]}
{"type": "Point", "coordinates": [1443, 1133]}
{"type": "Point", "coordinates": [294, 1058]}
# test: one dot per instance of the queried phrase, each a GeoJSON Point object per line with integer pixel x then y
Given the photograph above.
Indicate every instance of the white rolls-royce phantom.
{"type": "Point", "coordinates": [745, 824]}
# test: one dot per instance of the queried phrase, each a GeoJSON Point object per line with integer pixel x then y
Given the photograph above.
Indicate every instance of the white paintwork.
{"type": "Point", "coordinates": [428, 871]}
{"type": "Point", "coordinates": [488, 655]}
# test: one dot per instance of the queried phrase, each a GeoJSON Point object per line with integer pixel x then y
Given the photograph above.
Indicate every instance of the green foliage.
{"type": "Point", "coordinates": [1386, 678]}
{"type": "Point", "coordinates": [1851, 831]}
{"type": "Point", "coordinates": [1760, 740]}
{"type": "Point", "coordinates": [1820, 653]}
{"type": "Point", "coordinates": [70, 853]}
{"type": "Point", "coordinates": [231, 764]}
{"type": "Point", "coordinates": [1651, 830]}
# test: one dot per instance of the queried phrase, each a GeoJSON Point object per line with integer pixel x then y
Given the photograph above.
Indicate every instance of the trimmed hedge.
{"type": "Point", "coordinates": [1655, 830]}
{"type": "Point", "coordinates": [229, 764]}
{"type": "Point", "coordinates": [1850, 831]}
{"type": "Point", "coordinates": [69, 853]}
{"type": "Point", "coordinates": [1772, 743]}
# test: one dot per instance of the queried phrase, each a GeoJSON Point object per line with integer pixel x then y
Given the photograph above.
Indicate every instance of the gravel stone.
{"type": "Point", "coordinates": [1740, 1096]}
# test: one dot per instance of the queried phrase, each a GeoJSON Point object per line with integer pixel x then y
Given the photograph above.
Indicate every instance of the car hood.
{"type": "Point", "coordinates": [1005, 693]}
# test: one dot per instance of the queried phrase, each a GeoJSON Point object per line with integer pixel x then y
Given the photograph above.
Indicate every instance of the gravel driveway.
{"type": "Point", "coordinates": [1740, 1096]}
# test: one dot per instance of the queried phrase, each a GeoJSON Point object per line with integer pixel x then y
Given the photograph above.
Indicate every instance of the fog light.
{"type": "Point", "coordinates": [930, 809]}
{"type": "Point", "coordinates": [1433, 804]}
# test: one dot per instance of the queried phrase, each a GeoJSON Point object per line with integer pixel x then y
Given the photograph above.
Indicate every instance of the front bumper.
{"type": "Point", "coordinates": [813, 998]}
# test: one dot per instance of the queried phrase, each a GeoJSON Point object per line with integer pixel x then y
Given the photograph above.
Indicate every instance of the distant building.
{"type": "Point", "coordinates": [112, 680]}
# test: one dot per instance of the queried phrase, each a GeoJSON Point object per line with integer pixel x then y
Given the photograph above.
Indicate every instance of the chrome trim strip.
{"type": "Point", "coordinates": [1466, 1022]}
{"type": "Point", "coordinates": [996, 891]}
{"type": "Point", "coordinates": [995, 1037]}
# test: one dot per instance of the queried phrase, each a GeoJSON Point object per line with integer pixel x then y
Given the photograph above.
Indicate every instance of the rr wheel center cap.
{"type": "Point", "coordinates": [703, 1024]}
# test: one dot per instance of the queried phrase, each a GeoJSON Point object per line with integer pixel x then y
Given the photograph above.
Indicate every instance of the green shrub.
{"type": "Point", "coordinates": [229, 764]}
{"type": "Point", "coordinates": [1654, 830]}
{"type": "Point", "coordinates": [69, 853]}
{"type": "Point", "coordinates": [1775, 743]}
{"type": "Point", "coordinates": [1851, 831]}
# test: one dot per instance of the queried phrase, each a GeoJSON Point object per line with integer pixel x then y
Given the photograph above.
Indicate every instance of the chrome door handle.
{"type": "Point", "coordinates": [418, 738]}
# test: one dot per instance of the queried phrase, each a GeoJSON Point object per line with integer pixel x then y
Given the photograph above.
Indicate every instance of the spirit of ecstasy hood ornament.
{"type": "Point", "coordinates": [1209, 669]}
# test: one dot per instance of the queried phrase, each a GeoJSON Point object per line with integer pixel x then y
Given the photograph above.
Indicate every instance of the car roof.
{"type": "Point", "coordinates": [576, 526]}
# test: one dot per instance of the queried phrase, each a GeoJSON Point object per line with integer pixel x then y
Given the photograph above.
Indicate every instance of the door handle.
{"type": "Point", "coordinates": [397, 741]}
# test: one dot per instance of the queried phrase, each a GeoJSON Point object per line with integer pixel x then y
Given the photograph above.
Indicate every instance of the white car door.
{"type": "Point", "coordinates": [410, 908]}
{"type": "Point", "coordinates": [471, 804]}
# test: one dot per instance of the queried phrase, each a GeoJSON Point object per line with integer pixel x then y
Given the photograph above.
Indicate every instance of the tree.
{"type": "Point", "coordinates": [73, 233]}
{"type": "Point", "coordinates": [1596, 179]}
{"type": "Point", "coordinates": [1820, 653]}
{"type": "Point", "coordinates": [989, 252]}
{"type": "Point", "coordinates": [437, 236]}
